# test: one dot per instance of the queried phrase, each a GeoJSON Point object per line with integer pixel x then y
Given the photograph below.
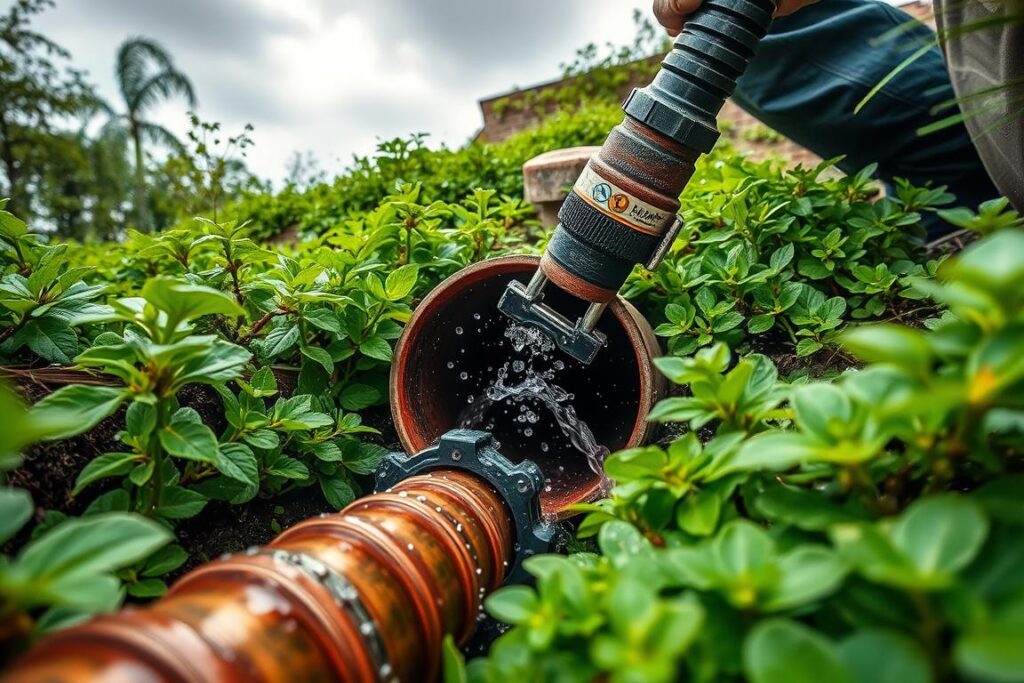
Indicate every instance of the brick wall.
{"type": "Point", "coordinates": [737, 122]}
{"type": "Point", "coordinates": [501, 121]}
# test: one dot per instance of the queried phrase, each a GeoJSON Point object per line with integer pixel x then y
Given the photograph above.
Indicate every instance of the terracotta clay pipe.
{"type": "Point", "coordinates": [363, 595]}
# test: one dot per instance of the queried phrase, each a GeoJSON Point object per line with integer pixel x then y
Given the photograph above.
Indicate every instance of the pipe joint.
{"type": "Point", "coordinates": [518, 485]}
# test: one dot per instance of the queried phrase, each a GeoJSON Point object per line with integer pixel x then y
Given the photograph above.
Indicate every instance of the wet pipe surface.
{"type": "Point", "coordinates": [363, 595]}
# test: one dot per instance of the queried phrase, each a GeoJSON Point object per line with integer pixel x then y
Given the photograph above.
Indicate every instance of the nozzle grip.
{"type": "Point", "coordinates": [622, 209]}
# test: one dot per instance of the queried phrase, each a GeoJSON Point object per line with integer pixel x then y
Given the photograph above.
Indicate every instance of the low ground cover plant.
{"type": "Point", "coordinates": [230, 372]}
{"type": "Point", "coordinates": [865, 529]}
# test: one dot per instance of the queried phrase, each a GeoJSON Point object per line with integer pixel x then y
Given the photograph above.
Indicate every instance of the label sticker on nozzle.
{"type": "Point", "coordinates": [620, 205]}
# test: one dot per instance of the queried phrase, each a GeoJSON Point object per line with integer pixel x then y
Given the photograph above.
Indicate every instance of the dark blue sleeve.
{"type": "Point", "coordinates": [816, 65]}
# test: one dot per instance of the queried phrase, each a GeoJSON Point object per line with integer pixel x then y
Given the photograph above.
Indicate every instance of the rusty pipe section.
{"type": "Point", "coordinates": [361, 596]}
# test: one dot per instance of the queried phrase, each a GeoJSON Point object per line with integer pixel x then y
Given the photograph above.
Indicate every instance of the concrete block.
{"type": "Point", "coordinates": [548, 178]}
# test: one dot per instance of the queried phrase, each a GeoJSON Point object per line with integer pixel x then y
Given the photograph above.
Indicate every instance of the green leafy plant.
{"type": "Point", "coordinates": [866, 529]}
{"type": "Point", "coordinates": [155, 357]}
{"type": "Point", "coordinates": [41, 300]}
{"type": "Point", "coordinates": [70, 570]}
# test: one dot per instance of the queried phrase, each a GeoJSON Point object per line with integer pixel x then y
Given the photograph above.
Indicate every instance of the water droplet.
{"type": "Point", "coordinates": [463, 375]}
{"type": "Point", "coordinates": [451, 365]}
{"type": "Point", "coordinates": [458, 330]}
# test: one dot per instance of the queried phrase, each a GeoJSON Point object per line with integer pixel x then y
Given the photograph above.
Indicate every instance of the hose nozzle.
{"type": "Point", "coordinates": [525, 304]}
{"type": "Point", "coordinates": [623, 209]}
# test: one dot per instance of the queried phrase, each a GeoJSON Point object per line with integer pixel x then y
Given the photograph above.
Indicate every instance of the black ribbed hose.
{"type": "Point", "coordinates": [626, 200]}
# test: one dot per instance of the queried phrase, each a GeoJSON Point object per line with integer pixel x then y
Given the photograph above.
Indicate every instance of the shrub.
{"type": "Point", "coordinates": [862, 530]}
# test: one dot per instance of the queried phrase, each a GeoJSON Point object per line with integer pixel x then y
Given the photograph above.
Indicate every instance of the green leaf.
{"type": "Point", "coordinates": [760, 323]}
{"type": "Point", "coordinates": [140, 419]}
{"type": "Point", "coordinates": [262, 383]}
{"type": "Point", "coordinates": [142, 473]}
{"type": "Point", "coordinates": [262, 438]}
{"type": "Point", "coordinates": [117, 500]}
{"type": "Point", "coordinates": [327, 451]}
{"type": "Point", "coordinates": [180, 503]}
{"type": "Point", "coordinates": [728, 321]}
{"type": "Point", "coordinates": [297, 414]}
{"type": "Point", "coordinates": [698, 513]}
{"type": "Point", "coordinates": [400, 282]}
{"type": "Point", "coordinates": [772, 451]}
{"type": "Point", "coordinates": [51, 339]}
{"type": "Point", "coordinates": [940, 535]}
{"type": "Point", "coordinates": [337, 490]}
{"type": "Point", "coordinates": [822, 410]}
{"type": "Point", "coordinates": [238, 462]}
{"type": "Point", "coordinates": [281, 340]}
{"type": "Point", "coordinates": [15, 510]}
{"type": "Point", "coordinates": [881, 656]}
{"type": "Point", "coordinates": [377, 347]}
{"type": "Point", "coordinates": [182, 301]}
{"type": "Point", "coordinates": [323, 319]}
{"type": "Point", "coordinates": [741, 548]}
{"type": "Point", "coordinates": [806, 509]}
{"type": "Point", "coordinates": [781, 257]}
{"type": "Point", "coordinates": [358, 396]}
{"type": "Point", "coordinates": [779, 651]}
{"type": "Point", "coordinates": [188, 439]}
{"type": "Point", "coordinates": [363, 458]}
{"type": "Point", "coordinates": [318, 355]}
{"type": "Point", "coordinates": [86, 404]}
{"type": "Point", "coordinates": [103, 466]}
{"type": "Point", "coordinates": [512, 604]}
{"type": "Point", "coordinates": [621, 542]}
{"type": "Point", "coordinates": [165, 560]}
{"type": "Point", "coordinates": [1001, 498]}
{"type": "Point", "coordinates": [67, 563]}
{"type": "Point", "coordinates": [147, 588]}
{"type": "Point", "coordinates": [806, 574]}
{"type": "Point", "coordinates": [454, 664]}
{"type": "Point", "coordinates": [994, 651]}
{"type": "Point", "coordinates": [806, 347]}
{"type": "Point", "coordinates": [869, 549]}
{"type": "Point", "coordinates": [288, 467]}
{"type": "Point", "coordinates": [901, 346]}
{"type": "Point", "coordinates": [219, 363]}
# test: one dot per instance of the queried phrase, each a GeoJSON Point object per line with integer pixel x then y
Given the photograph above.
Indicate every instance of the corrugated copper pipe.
{"type": "Point", "coordinates": [361, 596]}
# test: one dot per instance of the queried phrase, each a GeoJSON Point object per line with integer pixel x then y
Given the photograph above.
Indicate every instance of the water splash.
{"type": "Point", "coordinates": [519, 383]}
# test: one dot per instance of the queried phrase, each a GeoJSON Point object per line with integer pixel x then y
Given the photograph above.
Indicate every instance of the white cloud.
{"type": "Point", "coordinates": [333, 76]}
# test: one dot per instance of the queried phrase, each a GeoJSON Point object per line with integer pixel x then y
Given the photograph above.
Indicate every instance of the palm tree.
{"type": "Point", "coordinates": [146, 75]}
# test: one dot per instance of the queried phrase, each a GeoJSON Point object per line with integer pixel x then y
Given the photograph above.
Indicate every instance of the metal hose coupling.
{"type": "Point", "coordinates": [623, 209]}
{"type": "Point", "coordinates": [362, 596]}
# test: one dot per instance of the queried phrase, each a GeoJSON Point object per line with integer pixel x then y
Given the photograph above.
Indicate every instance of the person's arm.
{"type": "Point", "coordinates": [672, 13]}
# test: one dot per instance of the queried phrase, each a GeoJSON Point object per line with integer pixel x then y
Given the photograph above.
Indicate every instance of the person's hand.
{"type": "Point", "coordinates": [672, 13]}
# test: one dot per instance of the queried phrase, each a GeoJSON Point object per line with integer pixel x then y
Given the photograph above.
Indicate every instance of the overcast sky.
{"type": "Point", "coordinates": [332, 76]}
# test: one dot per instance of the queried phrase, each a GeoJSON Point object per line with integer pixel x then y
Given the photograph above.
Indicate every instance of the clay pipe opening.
{"type": "Point", "coordinates": [454, 346]}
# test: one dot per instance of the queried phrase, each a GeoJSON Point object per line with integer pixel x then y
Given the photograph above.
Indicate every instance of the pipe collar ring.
{"type": "Point", "coordinates": [518, 485]}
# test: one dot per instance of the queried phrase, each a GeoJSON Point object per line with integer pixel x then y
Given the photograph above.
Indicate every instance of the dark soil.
{"type": "Point", "coordinates": [222, 528]}
{"type": "Point", "coordinates": [49, 471]}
